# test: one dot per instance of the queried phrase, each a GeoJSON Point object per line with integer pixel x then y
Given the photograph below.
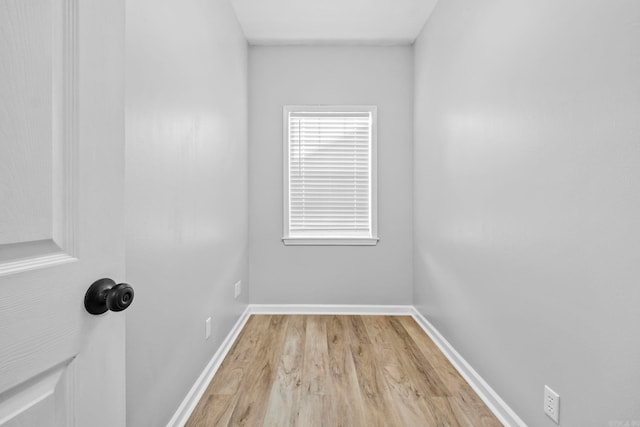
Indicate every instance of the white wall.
{"type": "Point", "coordinates": [527, 199]}
{"type": "Point", "coordinates": [187, 194]}
{"type": "Point", "coordinates": [382, 76]}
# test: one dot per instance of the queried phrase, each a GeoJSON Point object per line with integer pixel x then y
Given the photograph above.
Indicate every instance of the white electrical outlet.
{"type": "Point", "coordinates": [551, 404]}
{"type": "Point", "coordinates": [237, 289]}
{"type": "Point", "coordinates": [207, 328]}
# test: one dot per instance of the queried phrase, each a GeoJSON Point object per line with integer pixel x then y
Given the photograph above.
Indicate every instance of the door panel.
{"type": "Point", "coordinates": [25, 122]}
{"type": "Point", "coordinates": [38, 122]}
{"type": "Point", "coordinates": [61, 211]}
{"type": "Point", "coordinates": [45, 397]}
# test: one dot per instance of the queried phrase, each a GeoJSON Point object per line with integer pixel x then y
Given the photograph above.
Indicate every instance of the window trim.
{"type": "Point", "coordinates": [373, 184]}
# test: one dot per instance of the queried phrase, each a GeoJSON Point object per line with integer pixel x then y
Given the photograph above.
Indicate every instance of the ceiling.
{"type": "Point", "coordinates": [332, 21]}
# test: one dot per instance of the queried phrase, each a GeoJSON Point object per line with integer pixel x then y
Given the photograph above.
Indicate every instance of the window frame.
{"type": "Point", "coordinates": [371, 240]}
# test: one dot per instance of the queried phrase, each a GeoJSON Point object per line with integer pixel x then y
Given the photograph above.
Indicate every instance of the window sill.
{"type": "Point", "coordinates": [330, 241]}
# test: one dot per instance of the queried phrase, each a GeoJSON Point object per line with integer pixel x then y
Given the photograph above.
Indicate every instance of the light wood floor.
{"type": "Point", "coordinates": [338, 371]}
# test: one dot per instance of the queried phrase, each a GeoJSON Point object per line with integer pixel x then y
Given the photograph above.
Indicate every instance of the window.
{"type": "Point", "coordinates": [330, 175]}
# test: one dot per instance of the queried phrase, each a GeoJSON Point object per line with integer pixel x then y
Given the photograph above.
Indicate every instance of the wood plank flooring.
{"type": "Point", "coordinates": [349, 371]}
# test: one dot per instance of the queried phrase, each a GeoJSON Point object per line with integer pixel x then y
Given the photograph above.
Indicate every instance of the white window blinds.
{"type": "Point", "coordinates": [330, 173]}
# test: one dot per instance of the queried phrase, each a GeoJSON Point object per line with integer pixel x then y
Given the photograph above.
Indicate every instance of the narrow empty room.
{"type": "Point", "coordinates": [319, 213]}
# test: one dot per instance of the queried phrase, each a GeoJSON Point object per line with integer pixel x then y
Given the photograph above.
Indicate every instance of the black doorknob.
{"type": "Point", "coordinates": [105, 295]}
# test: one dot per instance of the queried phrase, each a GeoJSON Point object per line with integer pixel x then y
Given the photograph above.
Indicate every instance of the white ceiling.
{"type": "Point", "coordinates": [332, 21]}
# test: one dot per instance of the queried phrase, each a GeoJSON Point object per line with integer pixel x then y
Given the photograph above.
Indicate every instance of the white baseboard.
{"type": "Point", "coordinates": [344, 309]}
{"type": "Point", "coordinates": [488, 395]}
{"type": "Point", "coordinates": [493, 401]}
{"type": "Point", "coordinates": [192, 398]}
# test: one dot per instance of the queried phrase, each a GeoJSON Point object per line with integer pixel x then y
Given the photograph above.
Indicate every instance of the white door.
{"type": "Point", "coordinates": [61, 211]}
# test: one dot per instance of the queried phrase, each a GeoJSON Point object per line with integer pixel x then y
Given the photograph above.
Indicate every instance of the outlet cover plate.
{"type": "Point", "coordinates": [551, 404]}
{"type": "Point", "coordinates": [207, 328]}
{"type": "Point", "coordinates": [237, 289]}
